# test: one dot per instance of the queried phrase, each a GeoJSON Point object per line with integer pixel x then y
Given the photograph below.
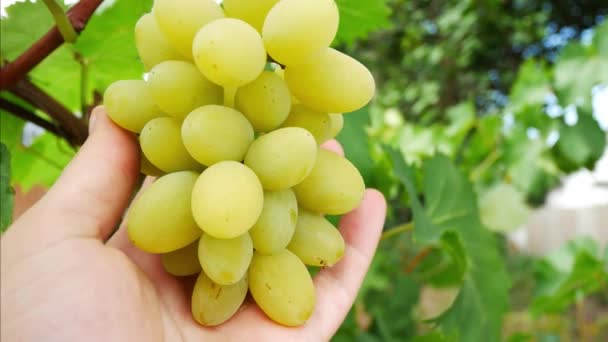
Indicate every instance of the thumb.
{"type": "Point", "coordinates": [91, 194]}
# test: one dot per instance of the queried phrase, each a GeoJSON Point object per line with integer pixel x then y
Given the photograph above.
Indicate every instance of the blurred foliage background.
{"type": "Point", "coordinates": [482, 108]}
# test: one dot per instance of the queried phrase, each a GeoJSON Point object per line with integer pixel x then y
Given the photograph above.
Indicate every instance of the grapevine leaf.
{"type": "Point", "coordinates": [575, 269]}
{"type": "Point", "coordinates": [358, 18]}
{"type": "Point", "coordinates": [108, 43]}
{"type": "Point", "coordinates": [581, 67]}
{"type": "Point", "coordinates": [7, 195]}
{"type": "Point", "coordinates": [355, 141]}
{"type": "Point", "coordinates": [41, 163]}
{"type": "Point", "coordinates": [503, 208]}
{"type": "Point", "coordinates": [581, 145]}
{"type": "Point", "coordinates": [451, 207]}
{"type": "Point", "coordinates": [531, 86]}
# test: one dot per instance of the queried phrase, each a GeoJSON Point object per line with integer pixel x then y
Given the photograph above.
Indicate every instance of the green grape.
{"type": "Point", "coordinates": [214, 304]}
{"type": "Point", "coordinates": [130, 105]}
{"type": "Point", "coordinates": [227, 200]}
{"type": "Point", "coordinates": [161, 143]}
{"type": "Point", "coordinates": [274, 229]}
{"type": "Point", "coordinates": [182, 262]}
{"type": "Point", "coordinates": [225, 261]}
{"type": "Point", "coordinates": [316, 241]}
{"type": "Point", "coordinates": [336, 125]}
{"type": "Point", "coordinates": [181, 19]}
{"type": "Point", "coordinates": [265, 101]}
{"type": "Point", "coordinates": [317, 123]}
{"type": "Point", "coordinates": [296, 30]}
{"type": "Point", "coordinates": [282, 288]}
{"type": "Point", "coordinates": [343, 86]}
{"type": "Point", "coordinates": [282, 158]}
{"type": "Point", "coordinates": [160, 219]}
{"type": "Point", "coordinates": [152, 45]}
{"type": "Point", "coordinates": [179, 88]}
{"type": "Point", "coordinates": [147, 168]}
{"type": "Point", "coordinates": [229, 52]}
{"type": "Point", "coordinates": [333, 187]}
{"type": "Point", "coordinates": [216, 133]}
{"type": "Point", "coordinates": [252, 12]}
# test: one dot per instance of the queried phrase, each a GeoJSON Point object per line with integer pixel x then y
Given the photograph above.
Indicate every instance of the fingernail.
{"type": "Point", "coordinates": [92, 119]}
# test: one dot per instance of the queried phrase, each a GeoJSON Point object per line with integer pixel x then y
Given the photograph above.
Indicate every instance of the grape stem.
{"type": "Point", "coordinates": [402, 228]}
{"type": "Point", "coordinates": [61, 20]}
{"type": "Point", "coordinates": [229, 94]}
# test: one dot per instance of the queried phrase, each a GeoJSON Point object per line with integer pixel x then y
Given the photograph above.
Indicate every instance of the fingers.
{"type": "Point", "coordinates": [92, 192]}
{"type": "Point", "coordinates": [337, 286]}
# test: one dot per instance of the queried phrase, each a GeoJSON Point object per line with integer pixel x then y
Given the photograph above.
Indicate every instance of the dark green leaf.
{"type": "Point", "coordinates": [355, 141]}
{"type": "Point", "coordinates": [7, 194]}
{"type": "Point", "coordinates": [451, 207]}
{"type": "Point", "coordinates": [575, 270]}
{"type": "Point", "coordinates": [358, 18]}
{"type": "Point", "coordinates": [581, 145]}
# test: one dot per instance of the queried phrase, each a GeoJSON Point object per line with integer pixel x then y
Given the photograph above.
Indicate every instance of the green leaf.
{"type": "Point", "coordinates": [108, 43]}
{"type": "Point", "coordinates": [25, 23]}
{"type": "Point", "coordinates": [41, 163]}
{"type": "Point", "coordinates": [579, 68]}
{"type": "Point", "coordinates": [432, 337]}
{"type": "Point", "coordinates": [7, 194]}
{"type": "Point", "coordinates": [358, 18]}
{"type": "Point", "coordinates": [581, 145]}
{"type": "Point", "coordinates": [11, 130]}
{"type": "Point", "coordinates": [571, 272]}
{"type": "Point", "coordinates": [503, 208]}
{"type": "Point", "coordinates": [451, 207]}
{"type": "Point", "coordinates": [355, 141]}
{"type": "Point", "coordinates": [531, 86]}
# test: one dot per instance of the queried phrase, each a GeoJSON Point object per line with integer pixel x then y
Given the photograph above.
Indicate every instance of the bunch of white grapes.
{"type": "Point", "coordinates": [234, 136]}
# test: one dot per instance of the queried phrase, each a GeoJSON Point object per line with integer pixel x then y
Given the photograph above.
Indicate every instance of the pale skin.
{"type": "Point", "coordinates": [62, 281]}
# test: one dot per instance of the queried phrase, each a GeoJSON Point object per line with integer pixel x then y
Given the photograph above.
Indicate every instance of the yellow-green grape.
{"type": "Point", "coordinates": [130, 105]}
{"type": "Point", "coordinates": [317, 123]}
{"type": "Point", "coordinates": [282, 158]}
{"type": "Point", "coordinates": [227, 200]}
{"type": "Point", "coordinates": [295, 30]}
{"type": "Point", "coordinates": [161, 143]}
{"type": "Point", "coordinates": [265, 101]}
{"type": "Point", "coordinates": [148, 168]}
{"type": "Point", "coordinates": [274, 229]}
{"type": "Point", "coordinates": [225, 261]}
{"type": "Point", "coordinates": [181, 19]}
{"type": "Point", "coordinates": [152, 45]}
{"type": "Point", "coordinates": [344, 85]}
{"type": "Point", "coordinates": [160, 219]}
{"type": "Point", "coordinates": [229, 52]}
{"type": "Point", "coordinates": [179, 88]}
{"type": "Point", "coordinates": [214, 304]}
{"type": "Point", "coordinates": [252, 12]}
{"type": "Point", "coordinates": [216, 133]}
{"type": "Point", "coordinates": [182, 262]}
{"type": "Point", "coordinates": [316, 241]}
{"type": "Point", "coordinates": [282, 287]}
{"type": "Point", "coordinates": [333, 187]}
{"type": "Point", "coordinates": [336, 124]}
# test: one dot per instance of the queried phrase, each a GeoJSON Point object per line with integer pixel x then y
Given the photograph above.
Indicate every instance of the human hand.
{"type": "Point", "coordinates": [62, 281]}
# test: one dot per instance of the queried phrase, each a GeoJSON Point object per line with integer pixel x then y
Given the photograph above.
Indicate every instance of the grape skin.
{"type": "Point", "coordinates": [152, 45]}
{"type": "Point", "coordinates": [317, 123]}
{"type": "Point", "coordinates": [182, 262]}
{"type": "Point", "coordinates": [213, 304]}
{"type": "Point", "coordinates": [252, 12]}
{"type": "Point", "coordinates": [160, 219]}
{"type": "Point", "coordinates": [274, 229]}
{"type": "Point", "coordinates": [282, 287]}
{"type": "Point", "coordinates": [212, 134]}
{"type": "Point", "coordinates": [130, 105]}
{"type": "Point", "coordinates": [227, 200]}
{"type": "Point", "coordinates": [225, 261]}
{"type": "Point", "coordinates": [279, 168]}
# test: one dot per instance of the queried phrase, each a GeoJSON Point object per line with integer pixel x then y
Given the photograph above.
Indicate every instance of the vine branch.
{"type": "Point", "coordinates": [27, 115]}
{"type": "Point", "coordinates": [78, 16]}
{"type": "Point", "coordinates": [61, 20]}
{"type": "Point", "coordinates": [75, 130]}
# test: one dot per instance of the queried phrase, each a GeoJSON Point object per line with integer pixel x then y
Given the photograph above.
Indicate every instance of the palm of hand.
{"type": "Point", "coordinates": [61, 282]}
